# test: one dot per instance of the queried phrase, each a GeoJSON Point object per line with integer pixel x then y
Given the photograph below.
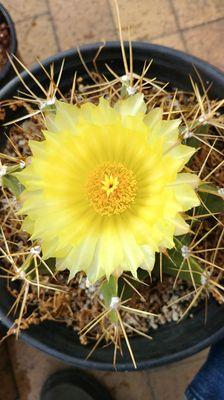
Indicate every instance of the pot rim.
{"type": "Point", "coordinates": [26, 337]}
{"type": "Point", "coordinates": [87, 50]}
{"type": "Point", "coordinates": [111, 45]}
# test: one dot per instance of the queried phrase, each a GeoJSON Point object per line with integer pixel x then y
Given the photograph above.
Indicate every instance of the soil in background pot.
{"type": "Point", "coordinates": [4, 42]}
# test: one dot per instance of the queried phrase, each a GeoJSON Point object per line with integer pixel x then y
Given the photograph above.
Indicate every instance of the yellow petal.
{"type": "Point", "coordinates": [186, 178]}
{"type": "Point", "coordinates": [153, 118]}
{"type": "Point", "coordinates": [186, 196]}
{"type": "Point", "coordinates": [170, 132]}
{"type": "Point", "coordinates": [132, 105]}
{"type": "Point", "coordinates": [181, 227]}
{"type": "Point", "coordinates": [181, 154]}
{"type": "Point", "coordinates": [64, 119]}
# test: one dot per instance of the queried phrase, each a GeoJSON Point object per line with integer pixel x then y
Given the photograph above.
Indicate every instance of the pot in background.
{"type": "Point", "coordinates": [7, 72]}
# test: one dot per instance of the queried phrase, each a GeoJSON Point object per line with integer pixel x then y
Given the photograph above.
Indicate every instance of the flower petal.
{"type": "Point", "coordinates": [190, 179]}
{"type": "Point", "coordinates": [181, 227]}
{"type": "Point", "coordinates": [64, 119]}
{"type": "Point", "coordinates": [186, 196]}
{"type": "Point", "coordinates": [132, 105]}
{"type": "Point", "coordinates": [181, 154]}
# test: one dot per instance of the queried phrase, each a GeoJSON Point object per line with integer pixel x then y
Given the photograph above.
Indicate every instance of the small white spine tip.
{"type": "Point", "coordinates": [114, 303]}
{"type": "Point", "coordinates": [3, 170]}
{"type": "Point", "coordinates": [22, 164]}
{"type": "Point", "coordinates": [221, 191]}
{"type": "Point", "coordinates": [185, 251]}
{"type": "Point", "coordinates": [35, 250]}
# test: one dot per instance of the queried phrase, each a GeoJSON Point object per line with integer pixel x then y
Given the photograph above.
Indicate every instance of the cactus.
{"type": "Point", "coordinates": [130, 199]}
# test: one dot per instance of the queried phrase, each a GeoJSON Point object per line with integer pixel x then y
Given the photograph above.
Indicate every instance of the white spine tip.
{"type": "Point", "coordinates": [46, 103]}
{"type": "Point", "coordinates": [22, 164]}
{"type": "Point", "coordinates": [87, 283]}
{"type": "Point", "coordinates": [205, 278]}
{"type": "Point", "coordinates": [20, 274]}
{"type": "Point", "coordinates": [202, 119]}
{"type": "Point", "coordinates": [131, 90]}
{"type": "Point", "coordinates": [114, 303]}
{"type": "Point", "coordinates": [185, 251]}
{"type": "Point", "coordinates": [221, 191]}
{"type": "Point", "coordinates": [125, 78]}
{"type": "Point", "coordinates": [35, 251]}
{"type": "Point", "coordinates": [3, 170]}
{"type": "Point", "coordinates": [187, 134]}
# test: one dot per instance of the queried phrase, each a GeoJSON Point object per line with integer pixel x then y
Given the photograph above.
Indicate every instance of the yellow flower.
{"type": "Point", "coordinates": [104, 191]}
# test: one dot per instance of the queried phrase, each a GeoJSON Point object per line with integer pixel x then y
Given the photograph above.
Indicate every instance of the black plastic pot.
{"type": "Point", "coordinates": [7, 72]}
{"type": "Point", "coordinates": [173, 341]}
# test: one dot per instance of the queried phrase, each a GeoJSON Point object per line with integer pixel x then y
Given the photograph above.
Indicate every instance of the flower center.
{"type": "Point", "coordinates": [111, 188]}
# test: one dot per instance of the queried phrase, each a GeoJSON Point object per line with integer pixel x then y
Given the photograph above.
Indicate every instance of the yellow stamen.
{"type": "Point", "coordinates": [111, 188]}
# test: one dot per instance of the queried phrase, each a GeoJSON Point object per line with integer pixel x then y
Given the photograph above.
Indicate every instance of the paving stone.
{"type": "Point", "coordinates": [191, 13]}
{"type": "Point", "coordinates": [205, 41]}
{"type": "Point", "coordinates": [175, 41]}
{"type": "Point", "coordinates": [25, 9]}
{"type": "Point", "coordinates": [85, 21]}
{"type": "Point", "coordinates": [32, 367]}
{"type": "Point", "coordinates": [147, 19]}
{"type": "Point", "coordinates": [126, 385]}
{"type": "Point", "coordinates": [36, 39]}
